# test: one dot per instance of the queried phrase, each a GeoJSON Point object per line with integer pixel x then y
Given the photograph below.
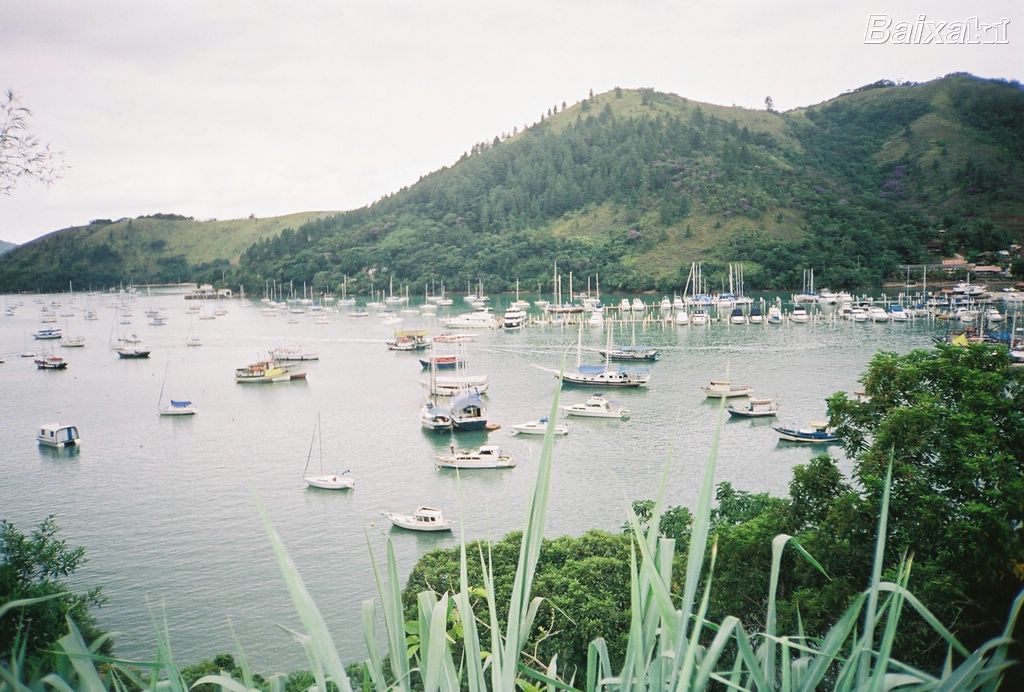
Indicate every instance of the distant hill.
{"type": "Point", "coordinates": [6, 247]}
{"type": "Point", "coordinates": [634, 185]}
{"type": "Point", "coordinates": [155, 248]}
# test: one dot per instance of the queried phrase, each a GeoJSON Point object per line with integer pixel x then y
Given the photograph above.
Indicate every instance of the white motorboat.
{"type": "Point", "coordinates": [876, 313]}
{"type": "Point", "coordinates": [755, 408]}
{"type": "Point", "coordinates": [422, 519]}
{"type": "Point", "coordinates": [539, 427]}
{"type": "Point", "coordinates": [483, 457]}
{"type": "Point", "coordinates": [596, 406]}
{"type": "Point", "coordinates": [325, 481]}
{"type": "Point", "coordinates": [478, 319]}
{"type": "Point", "coordinates": [57, 435]}
{"type": "Point", "coordinates": [73, 341]}
{"type": "Point", "coordinates": [774, 315]}
{"type": "Point", "coordinates": [799, 314]}
{"type": "Point", "coordinates": [514, 318]}
{"type": "Point", "coordinates": [725, 389]}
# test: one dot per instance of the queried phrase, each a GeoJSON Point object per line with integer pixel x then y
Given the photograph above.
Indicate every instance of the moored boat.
{"type": "Point", "coordinates": [133, 352]}
{"type": "Point", "coordinates": [539, 427]}
{"type": "Point", "coordinates": [421, 519]}
{"type": "Point", "coordinates": [43, 334]}
{"type": "Point", "coordinates": [267, 371]}
{"type": "Point", "coordinates": [725, 389]}
{"type": "Point", "coordinates": [483, 457]}
{"type": "Point", "coordinates": [57, 435]}
{"type": "Point", "coordinates": [815, 432]}
{"type": "Point", "coordinates": [51, 362]}
{"type": "Point", "coordinates": [596, 406]}
{"type": "Point", "coordinates": [754, 408]}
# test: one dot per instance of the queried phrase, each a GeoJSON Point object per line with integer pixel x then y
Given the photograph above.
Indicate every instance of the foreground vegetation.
{"type": "Point", "coordinates": [838, 587]}
{"type": "Point", "coordinates": [633, 185]}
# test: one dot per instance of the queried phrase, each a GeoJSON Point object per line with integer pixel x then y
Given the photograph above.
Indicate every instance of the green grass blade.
{"type": "Point", "coordinates": [306, 609]}
{"type": "Point", "coordinates": [375, 665]}
{"type": "Point", "coordinates": [865, 661]}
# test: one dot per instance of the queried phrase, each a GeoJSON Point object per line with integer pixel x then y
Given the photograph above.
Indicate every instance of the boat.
{"type": "Point", "coordinates": [638, 305]}
{"type": "Point", "coordinates": [483, 457]}
{"type": "Point", "coordinates": [814, 432]}
{"type": "Point", "coordinates": [897, 313]}
{"type": "Point", "coordinates": [628, 353]}
{"type": "Point", "coordinates": [799, 314]}
{"type": "Point", "coordinates": [699, 317]}
{"type": "Point", "coordinates": [43, 334]}
{"type": "Point", "coordinates": [454, 338]}
{"type": "Point", "coordinates": [478, 319]}
{"type": "Point", "coordinates": [174, 407]}
{"type": "Point", "coordinates": [755, 408]}
{"type": "Point", "coordinates": [539, 427]}
{"type": "Point", "coordinates": [58, 435]}
{"type": "Point", "coordinates": [682, 316]}
{"type": "Point", "coordinates": [73, 342]}
{"type": "Point", "coordinates": [596, 406]}
{"type": "Point", "coordinates": [267, 371]}
{"type": "Point", "coordinates": [514, 318]}
{"type": "Point", "coordinates": [467, 411]}
{"type": "Point", "coordinates": [409, 340]}
{"type": "Point", "coordinates": [736, 316]}
{"type": "Point", "coordinates": [755, 316]}
{"type": "Point", "coordinates": [422, 519]}
{"type": "Point", "coordinates": [774, 315]}
{"type": "Point", "coordinates": [876, 313]}
{"type": "Point", "coordinates": [443, 362]}
{"type": "Point", "coordinates": [725, 389]}
{"type": "Point", "coordinates": [435, 418]}
{"type": "Point", "coordinates": [135, 351]}
{"type": "Point", "coordinates": [193, 340]}
{"type": "Point", "coordinates": [325, 481]}
{"type": "Point", "coordinates": [51, 362]}
{"type": "Point", "coordinates": [992, 315]}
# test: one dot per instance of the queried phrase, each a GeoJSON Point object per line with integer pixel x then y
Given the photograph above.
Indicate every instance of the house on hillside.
{"type": "Point", "coordinates": [956, 262]}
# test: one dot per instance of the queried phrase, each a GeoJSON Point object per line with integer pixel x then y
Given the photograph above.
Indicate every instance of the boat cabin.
{"type": "Point", "coordinates": [57, 435]}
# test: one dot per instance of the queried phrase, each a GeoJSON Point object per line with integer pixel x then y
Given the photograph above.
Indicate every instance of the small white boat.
{"type": "Point", "coordinates": [57, 435]}
{"type": "Point", "coordinates": [422, 519]}
{"type": "Point", "coordinates": [638, 305]}
{"type": "Point", "coordinates": [682, 316]}
{"type": "Point", "coordinates": [539, 427]}
{"type": "Point", "coordinates": [596, 406]}
{"type": "Point", "coordinates": [47, 334]}
{"type": "Point", "coordinates": [774, 315]}
{"type": "Point", "coordinates": [755, 408]}
{"type": "Point", "coordinates": [483, 457]}
{"type": "Point", "coordinates": [698, 318]}
{"type": "Point", "coordinates": [176, 407]}
{"type": "Point", "coordinates": [435, 418]}
{"type": "Point", "coordinates": [799, 314]}
{"type": "Point", "coordinates": [876, 313]}
{"type": "Point", "coordinates": [725, 389]}
{"type": "Point", "coordinates": [325, 481]}
{"type": "Point", "coordinates": [73, 342]}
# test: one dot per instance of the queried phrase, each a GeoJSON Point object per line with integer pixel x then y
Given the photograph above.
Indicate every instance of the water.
{"type": "Point", "coordinates": [167, 508]}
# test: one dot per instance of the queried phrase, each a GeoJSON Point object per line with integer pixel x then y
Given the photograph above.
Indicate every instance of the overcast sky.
{"type": "Point", "coordinates": [222, 108]}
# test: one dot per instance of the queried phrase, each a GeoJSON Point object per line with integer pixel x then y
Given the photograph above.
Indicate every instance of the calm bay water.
{"type": "Point", "coordinates": [167, 507]}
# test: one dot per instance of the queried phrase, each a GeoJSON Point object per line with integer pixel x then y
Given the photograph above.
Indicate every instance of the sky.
{"type": "Point", "coordinates": [229, 108]}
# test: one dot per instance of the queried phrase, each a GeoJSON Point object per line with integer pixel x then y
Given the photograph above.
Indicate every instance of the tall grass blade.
{"type": "Point", "coordinates": [394, 618]}
{"type": "Point", "coordinates": [375, 664]}
{"type": "Point", "coordinates": [322, 643]}
{"type": "Point", "coordinates": [519, 610]}
{"type": "Point", "coordinates": [864, 660]}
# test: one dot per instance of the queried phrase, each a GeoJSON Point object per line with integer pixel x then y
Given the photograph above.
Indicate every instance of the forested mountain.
{"type": "Point", "coordinates": [6, 247]}
{"type": "Point", "coordinates": [634, 185]}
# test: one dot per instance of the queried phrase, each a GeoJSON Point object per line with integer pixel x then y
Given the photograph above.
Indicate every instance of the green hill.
{"type": "Point", "coordinates": [6, 247]}
{"type": "Point", "coordinates": [150, 249]}
{"type": "Point", "coordinates": [635, 185]}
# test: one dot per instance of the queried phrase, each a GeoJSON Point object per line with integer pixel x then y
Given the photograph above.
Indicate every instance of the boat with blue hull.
{"type": "Point", "coordinates": [815, 432]}
{"type": "Point", "coordinates": [467, 412]}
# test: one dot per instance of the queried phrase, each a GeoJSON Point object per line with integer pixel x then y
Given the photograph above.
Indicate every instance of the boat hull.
{"type": "Point", "coordinates": [791, 435]}
{"type": "Point", "coordinates": [330, 482]}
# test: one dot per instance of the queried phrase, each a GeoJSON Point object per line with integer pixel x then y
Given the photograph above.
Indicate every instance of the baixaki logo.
{"type": "Point", "coordinates": [971, 31]}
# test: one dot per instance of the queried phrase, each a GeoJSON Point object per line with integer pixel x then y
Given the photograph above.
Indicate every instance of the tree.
{"type": "Point", "coordinates": [950, 420]}
{"type": "Point", "coordinates": [35, 566]}
{"type": "Point", "coordinates": [22, 156]}
{"type": "Point", "coordinates": [769, 104]}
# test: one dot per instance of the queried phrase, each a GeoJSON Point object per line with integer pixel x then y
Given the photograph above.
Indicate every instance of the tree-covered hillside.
{"type": "Point", "coordinates": [634, 185]}
{"type": "Point", "coordinates": [6, 247]}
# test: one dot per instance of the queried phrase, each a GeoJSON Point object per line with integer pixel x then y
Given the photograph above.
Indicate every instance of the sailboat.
{"type": "Point", "coordinates": [600, 375]}
{"type": "Point", "coordinates": [326, 481]}
{"type": "Point", "coordinates": [173, 407]}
